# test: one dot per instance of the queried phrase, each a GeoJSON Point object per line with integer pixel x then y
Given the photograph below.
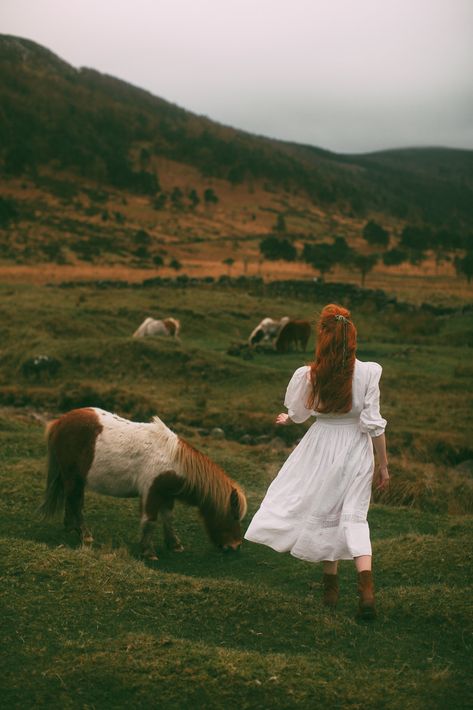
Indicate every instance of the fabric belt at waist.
{"type": "Point", "coordinates": [338, 422]}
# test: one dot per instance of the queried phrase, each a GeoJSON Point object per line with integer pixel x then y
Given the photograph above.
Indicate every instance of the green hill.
{"type": "Point", "coordinates": [104, 129]}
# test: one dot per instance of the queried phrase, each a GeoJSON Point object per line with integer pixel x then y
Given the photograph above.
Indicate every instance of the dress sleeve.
{"type": "Point", "coordinates": [371, 421]}
{"type": "Point", "coordinates": [297, 393]}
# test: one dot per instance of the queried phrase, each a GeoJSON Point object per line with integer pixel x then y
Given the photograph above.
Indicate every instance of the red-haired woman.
{"type": "Point", "coordinates": [316, 507]}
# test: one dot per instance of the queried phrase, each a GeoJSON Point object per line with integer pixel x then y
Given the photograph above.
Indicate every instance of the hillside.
{"type": "Point", "coordinates": [99, 173]}
{"type": "Point", "coordinates": [108, 130]}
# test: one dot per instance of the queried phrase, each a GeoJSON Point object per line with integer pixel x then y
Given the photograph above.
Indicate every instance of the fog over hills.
{"type": "Point", "coordinates": [104, 129]}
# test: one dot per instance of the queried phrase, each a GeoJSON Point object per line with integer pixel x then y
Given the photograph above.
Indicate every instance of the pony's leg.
{"type": "Point", "coordinates": [149, 516]}
{"type": "Point", "coordinates": [170, 538]}
{"type": "Point", "coordinates": [159, 499]}
{"type": "Point", "coordinates": [148, 528]}
{"type": "Point", "coordinates": [74, 504]}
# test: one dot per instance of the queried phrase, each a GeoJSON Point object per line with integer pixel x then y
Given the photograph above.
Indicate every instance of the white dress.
{"type": "Point", "coordinates": [316, 506]}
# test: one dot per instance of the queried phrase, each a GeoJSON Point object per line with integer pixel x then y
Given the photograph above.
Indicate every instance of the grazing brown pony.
{"type": "Point", "coordinates": [294, 332]}
{"type": "Point", "coordinates": [110, 455]}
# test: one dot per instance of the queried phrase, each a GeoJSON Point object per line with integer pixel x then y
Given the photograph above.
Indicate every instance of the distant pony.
{"type": "Point", "coordinates": [152, 327]}
{"type": "Point", "coordinates": [293, 333]}
{"type": "Point", "coordinates": [110, 455]}
{"type": "Point", "coordinates": [266, 331]}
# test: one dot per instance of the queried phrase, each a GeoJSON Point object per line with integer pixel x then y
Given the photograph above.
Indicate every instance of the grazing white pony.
{"type": "Point", "coordinates": [267, 331]}
{"type": "Point", "coordinates": [152, 327]}
{"type": "Point", "coordinates": [92, 448]}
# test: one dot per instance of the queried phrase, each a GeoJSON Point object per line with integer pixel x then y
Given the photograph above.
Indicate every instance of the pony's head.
{"type": "Point", "coordinates": [220, 500]}
{"type": "Point", "coordinates": [224, 529]}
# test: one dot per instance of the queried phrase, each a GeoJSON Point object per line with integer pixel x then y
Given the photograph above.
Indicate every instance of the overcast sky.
{"type": "Point", "coordinates": [347, 75]}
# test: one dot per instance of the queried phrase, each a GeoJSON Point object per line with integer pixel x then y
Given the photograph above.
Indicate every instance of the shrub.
{"type": "Point", "coordinates": [40, 367]}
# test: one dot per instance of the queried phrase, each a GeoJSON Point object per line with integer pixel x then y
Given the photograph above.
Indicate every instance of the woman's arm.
{"type": "Point", "coordinates": [379, 443]}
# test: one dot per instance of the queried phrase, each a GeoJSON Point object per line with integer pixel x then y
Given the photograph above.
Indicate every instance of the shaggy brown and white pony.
{"type": "Point", "coordinates": [110, 455]}
{"type": "Point", "coordinates": [267, 331]}
{"type": "Point", "coordinates": [151, 328]}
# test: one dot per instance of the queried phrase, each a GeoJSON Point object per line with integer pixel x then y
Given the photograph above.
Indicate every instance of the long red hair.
{"type": "Point", "coordinates": [331, 373]}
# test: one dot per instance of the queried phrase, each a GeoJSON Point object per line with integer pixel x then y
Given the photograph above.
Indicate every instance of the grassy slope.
{"type": "Point", "coordinates": [97, 628]}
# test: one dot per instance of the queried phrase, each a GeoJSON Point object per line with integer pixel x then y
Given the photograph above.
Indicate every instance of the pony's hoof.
{"type": "Point", "coordinates": [149, 557]}
{"type": "Point", "coordinates": [87, 540]}
{"type": "Point", "coordinates": [366, 612]}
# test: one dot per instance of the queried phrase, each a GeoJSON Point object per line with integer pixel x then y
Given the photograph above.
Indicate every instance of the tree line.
{"type": "Point", "coordinates": [412, 247]}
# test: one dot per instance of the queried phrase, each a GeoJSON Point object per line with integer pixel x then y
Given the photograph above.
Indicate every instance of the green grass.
{"type": "Point", "coordinates": [97, 628]}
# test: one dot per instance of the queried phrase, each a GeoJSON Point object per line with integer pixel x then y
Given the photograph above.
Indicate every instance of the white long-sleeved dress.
{"type": "Point", "coordinates": [316, 507]}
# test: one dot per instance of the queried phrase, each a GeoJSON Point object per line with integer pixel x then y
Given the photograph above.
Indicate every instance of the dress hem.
{"type": "Point", "coordinates": [325, 558]}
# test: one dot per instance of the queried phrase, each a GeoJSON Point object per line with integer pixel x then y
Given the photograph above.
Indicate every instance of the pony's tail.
{"type": "Point", "coordinates": [54, 494]}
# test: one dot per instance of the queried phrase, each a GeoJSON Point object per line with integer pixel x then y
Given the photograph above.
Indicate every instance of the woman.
{"type": "Point", "coordinates": [316, 507]}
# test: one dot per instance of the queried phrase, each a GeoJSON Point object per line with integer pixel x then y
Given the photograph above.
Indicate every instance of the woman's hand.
{"type": "Point", "coordinates": [383, 478]}
{"type": "Point", "coordinates": [282, 419]}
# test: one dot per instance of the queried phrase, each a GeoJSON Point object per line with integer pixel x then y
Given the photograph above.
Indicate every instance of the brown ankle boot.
{"type": "Point", "coordinates": [330, 585]}
{"type": "Point", "coordinates": [366, 607]}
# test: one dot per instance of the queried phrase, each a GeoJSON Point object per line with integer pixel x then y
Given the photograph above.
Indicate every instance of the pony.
{"type": "Point", "coordinates": [293, 332]}
{"type": "Point", "coordinates": [152, 327]}
{"type": "Point", "coordinates": [95, 449]}
{"type": "Point", "coordinates": [267, 331]}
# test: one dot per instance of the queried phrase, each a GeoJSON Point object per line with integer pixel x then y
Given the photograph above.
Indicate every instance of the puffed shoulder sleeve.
{"type": "Point", "coordinates": [371, 421]}
{"type": "Point", "coordinates": [297, 393]}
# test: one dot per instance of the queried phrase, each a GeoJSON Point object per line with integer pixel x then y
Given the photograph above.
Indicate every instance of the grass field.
{"type": "Point", "coordinates": [97, 628]}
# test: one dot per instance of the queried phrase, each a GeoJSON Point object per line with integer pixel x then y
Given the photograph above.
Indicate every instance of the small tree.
{"type": "Point", "coordinates": [142, 238]}
{"type": "Point", "coordinates": [364, 263]}
{"type": "Point", "coordinates": [175, 264]}
{"type": "Point", "coordinates": [342, 252]}
{"type": "Point", "coordinates": [322, 257]}
{"type": "Point", "coordinates": [280, 226]}
{"type": "Point", "coordinates": [416, 238]}
{"type": "Point", "coordinates": [375, 234]}
{"type": "Point", "coordinates": [394, 257]}
{"type": "Point", "coordinates": [210, 198]}
{"type": "Point", "coordinates": [275, 248]}
{"type": "Point", "coordinates": [159, 202]}
{"type": "Point", "coordinates": [176, 198]}
{"type": "Point", "coordinates": [464, 266]}
{"type": "Point", "coordinates": [229, 262]}
{"type": "Point", "coordinates": [194, 198]}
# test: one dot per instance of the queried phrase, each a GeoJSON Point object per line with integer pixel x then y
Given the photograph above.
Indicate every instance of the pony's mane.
{"type": "Point", "coordinates": [203, 477]}
{"type": "Point", "coordinates": [207, 480]}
